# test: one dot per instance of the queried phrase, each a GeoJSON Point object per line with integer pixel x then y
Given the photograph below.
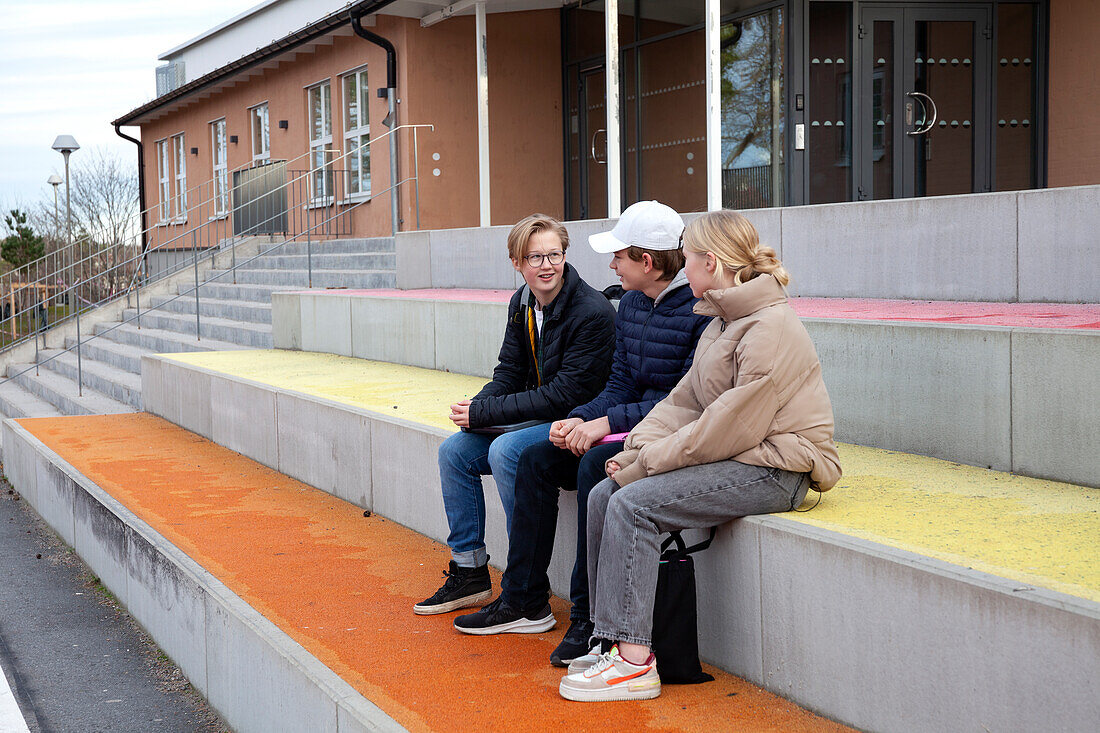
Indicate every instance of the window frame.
{"type": "Point", "coordinates": [220, 170]}
{"type": "Point", "coordinates": [358, 183]}
{"type": "Point", "coordinates": [164, 182]}
{"type": "Point", "coordinates": [321, 182]}
{"type": "Point", "coordinates": [179, 159]}
{"type": "Point", "coordinates": [264, 137]}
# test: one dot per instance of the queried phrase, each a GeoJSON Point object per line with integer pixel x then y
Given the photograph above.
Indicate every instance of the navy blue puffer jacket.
{"type": "Point", "coordinates": [654, 345]}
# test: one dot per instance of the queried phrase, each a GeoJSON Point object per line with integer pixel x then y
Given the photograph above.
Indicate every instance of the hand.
{"type": "Point", "coordinates": [612, 469]}
{"type": "Point", "coordinates": [460, 413]}
{"type": "Point", "coordinates": [587, 434]}
{"type": "Point", "coordinates": [560, 429]}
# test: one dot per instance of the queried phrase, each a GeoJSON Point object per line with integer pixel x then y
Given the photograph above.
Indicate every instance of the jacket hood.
{"type": "Point", "coordinates": [677, 282]}
{"type": "Point", "coordinates": [739, 301]}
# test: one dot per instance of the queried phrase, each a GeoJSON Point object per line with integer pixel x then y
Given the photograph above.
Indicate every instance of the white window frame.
{"type": "Point", "coordinates": [259, 129]}
{"type": "Point", "coordinates": [357, 134]}
{"type": "Point", "coordinates": [164, 185]}
{"type": "Point", "coordinates": [219, 153]}
{"type": "Point", "coordinates": [179, 160]}
{"type": "Point", "coordinates": [321, 183]}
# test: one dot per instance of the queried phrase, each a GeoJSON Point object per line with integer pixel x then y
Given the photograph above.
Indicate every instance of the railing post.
{"type": "Point", "coordinates": [416, 176]}
{"type": "Point", "coordinates": [79, 366]}
{"type": "Point", "coordinates": [195, 249]}
{"type": "Point", "coordinates": [37, 329]}
{"type": "Point", "coordinates": [309, 250]}
{"type": "Point", "coordinates": [137, 292]}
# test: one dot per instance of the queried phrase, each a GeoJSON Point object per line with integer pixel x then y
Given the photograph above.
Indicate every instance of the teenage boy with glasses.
{"type": "Point", "coordinates": [556, 355]}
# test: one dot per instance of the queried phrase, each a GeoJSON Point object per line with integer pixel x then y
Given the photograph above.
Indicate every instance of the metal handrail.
{"type": "Point", "coordinates": [63, 252]}
{"type": "Point", "coordinates": [345, 207]}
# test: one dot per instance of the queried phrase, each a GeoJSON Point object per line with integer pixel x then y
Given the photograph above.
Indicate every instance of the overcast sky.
{"type": "Point", "coordinates": [72, 66]}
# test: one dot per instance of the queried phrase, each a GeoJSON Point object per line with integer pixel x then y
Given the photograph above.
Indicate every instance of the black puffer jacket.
{"type": "Point", "coordinates": [577, 343]}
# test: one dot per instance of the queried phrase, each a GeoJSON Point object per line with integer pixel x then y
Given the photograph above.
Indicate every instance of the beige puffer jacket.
{"type": "Point", "coordinates": [754, 394]}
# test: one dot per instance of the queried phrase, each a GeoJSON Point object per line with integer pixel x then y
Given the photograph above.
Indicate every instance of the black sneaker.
{"type": "Point", "coordinates": [500, 618]}
{"type": "Point", "coordinates": [577, 642]}
{"type": "Point", "coordinates": [465, 587]}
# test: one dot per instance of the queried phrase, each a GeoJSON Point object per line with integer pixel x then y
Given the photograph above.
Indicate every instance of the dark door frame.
{"type": "Point", "coordinates": [906, 146]}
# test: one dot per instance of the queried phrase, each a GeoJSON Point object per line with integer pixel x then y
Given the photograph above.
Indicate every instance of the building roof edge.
{"type": "Point", "coordinates": [217, 29]}
{"type": "Point", "coordinates": [287, 42]}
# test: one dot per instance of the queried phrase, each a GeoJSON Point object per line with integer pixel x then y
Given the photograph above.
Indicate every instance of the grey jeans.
{"type": "Point", "coordinates": [625, 524]}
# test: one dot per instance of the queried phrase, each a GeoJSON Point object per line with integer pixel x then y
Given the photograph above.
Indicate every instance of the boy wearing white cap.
{"type": "Point", "coordinates": [655, 336]}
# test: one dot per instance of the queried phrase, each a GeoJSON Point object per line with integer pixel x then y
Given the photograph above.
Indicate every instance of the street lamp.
{"type": "Point", "coordinates": [55, 181]}
{"type": "Point", "coordinates": [67, 145]}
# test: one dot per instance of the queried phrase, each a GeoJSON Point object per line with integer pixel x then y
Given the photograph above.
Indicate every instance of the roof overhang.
{"type": "Point", "coordinates": [305, 40]}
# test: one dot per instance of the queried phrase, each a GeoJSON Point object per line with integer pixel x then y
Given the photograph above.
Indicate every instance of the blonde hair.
{"type": "Point", "coordinates": [733, 241]}
{"type": "Point", "coordinates": [528, 227]}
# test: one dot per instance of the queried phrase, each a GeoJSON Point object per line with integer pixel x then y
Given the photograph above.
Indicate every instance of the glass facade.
{"type": "Point", "coordinates": [888, 99]}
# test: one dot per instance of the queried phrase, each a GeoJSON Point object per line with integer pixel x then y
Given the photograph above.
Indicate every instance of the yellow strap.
{"type": "Point", "coordinates": [531, 337]}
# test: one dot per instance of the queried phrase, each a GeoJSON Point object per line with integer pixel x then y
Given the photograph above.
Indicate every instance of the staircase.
{"type": "Point", "coordinates": [231, 316]}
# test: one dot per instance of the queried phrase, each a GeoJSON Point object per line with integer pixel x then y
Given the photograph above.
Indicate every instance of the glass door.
{"type": "Point", "coordinates": [924, 102]}
{"type": "Point", "coordinates": [592, 134]}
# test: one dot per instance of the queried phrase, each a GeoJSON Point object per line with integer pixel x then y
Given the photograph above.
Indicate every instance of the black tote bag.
{"type": "Point", "coordinates": [675, 621]}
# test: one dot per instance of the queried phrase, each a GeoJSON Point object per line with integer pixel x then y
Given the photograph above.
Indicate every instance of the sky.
{"type": "Point", "coordinates": [72, 66]}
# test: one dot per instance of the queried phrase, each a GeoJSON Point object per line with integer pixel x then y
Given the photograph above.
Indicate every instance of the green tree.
{"type": "Point", "coordinates": [22, 245]}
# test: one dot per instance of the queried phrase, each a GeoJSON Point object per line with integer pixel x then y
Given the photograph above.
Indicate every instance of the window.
{"type": "Point", "coordinates": [179, 152]}
{"type": "Point", "coordinates": [218, 148]}
{"type": "Point", "coordinates": [357, 132]}
{"type": "Point", "coordinates": [163, 181]}
{"type": "Point", "coordinates": [261, 139]}
{"type": "Point", "coordinates": [320, 141]}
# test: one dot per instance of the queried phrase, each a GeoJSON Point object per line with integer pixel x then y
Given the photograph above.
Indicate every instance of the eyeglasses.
{"type": "Point", "coordinates": [535, 258]}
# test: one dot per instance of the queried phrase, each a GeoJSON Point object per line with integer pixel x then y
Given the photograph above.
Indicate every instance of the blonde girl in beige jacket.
{"type": "Point", "coordinates": [748, 430]}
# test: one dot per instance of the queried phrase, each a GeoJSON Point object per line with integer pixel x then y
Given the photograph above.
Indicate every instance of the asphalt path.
{"type": "Point", "coordinates": [74, 660]}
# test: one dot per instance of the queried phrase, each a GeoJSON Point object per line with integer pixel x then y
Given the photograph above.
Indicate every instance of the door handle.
{"type": "Point", "coordinates": [594, 156]}
{"type": "Point", "coordinates": [920, 97]}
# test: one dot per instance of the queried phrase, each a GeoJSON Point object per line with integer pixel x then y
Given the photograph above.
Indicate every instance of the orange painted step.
{"type": "Point", "coordinates": [343, 586]}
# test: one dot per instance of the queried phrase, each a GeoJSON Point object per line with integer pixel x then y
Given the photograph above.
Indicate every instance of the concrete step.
{"type": "Point", "coordinates": [118, 384]}
{"type": "Point", "coordinates": [225, 289]}
{"type": "Point", "coordinates": [357, 261]}
{"type": "Point", "coordinates": [121, 356]}
{"type": "Point", "coordinates": [63, 393]}
{"type": "Point", "coordinates": [337, 246]}
{"type": "Point", "coordinates": [18, 402]}
{"type": "Point", "coordinates": [158, 340]}
{"type": "Point", "coordinates": [321, 279]}
{"type": "Point", "coordinates": [236, 310]}
{"type": "Point", "coordinates": [251, 335]}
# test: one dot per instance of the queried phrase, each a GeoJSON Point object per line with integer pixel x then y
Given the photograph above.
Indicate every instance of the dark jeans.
{"type": "Point", "coordinates": [541, 470]}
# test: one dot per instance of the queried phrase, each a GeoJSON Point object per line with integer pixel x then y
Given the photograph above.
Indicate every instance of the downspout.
{"type": "Point", "coordinates": [141, 185]}
{"type": "Point", "coordinates": [391, 118]}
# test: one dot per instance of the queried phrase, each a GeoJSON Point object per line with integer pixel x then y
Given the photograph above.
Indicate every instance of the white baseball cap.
{"type": "Point", "coordinates": [646, 224]}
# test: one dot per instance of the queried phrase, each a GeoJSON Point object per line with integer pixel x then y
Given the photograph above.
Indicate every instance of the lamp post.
{"type": "Point", "coordinates": [55, 181]}
{"type": "Point", "coordinates": [67, 145]}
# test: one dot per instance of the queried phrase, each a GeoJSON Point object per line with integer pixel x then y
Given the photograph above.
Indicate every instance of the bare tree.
{"type": "Point", "coordinates": [106, 223]}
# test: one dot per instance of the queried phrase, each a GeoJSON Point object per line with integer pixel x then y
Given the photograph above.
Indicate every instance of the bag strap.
{"type": "Point", "coordinates": [681, 548]}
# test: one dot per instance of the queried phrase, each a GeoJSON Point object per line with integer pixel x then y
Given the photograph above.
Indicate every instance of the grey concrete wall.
{"type": "Point", "coordinates": [1055, 404]}
{"type": "Point", "coordinates": [1059, 258]}
{"type": "Point", "coordinates": [1033, 246]}
{"type": "Point", "coordinates": [990, 396]}
{"type": "Point", "coordinates": [253, 673]}
{"type": "Point", "coordinates": [931, 389]}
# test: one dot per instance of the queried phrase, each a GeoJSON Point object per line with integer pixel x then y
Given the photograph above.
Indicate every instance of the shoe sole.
{"type": "Point", "coordinates": [475, 600]}
{"type": "Point", "coordinates": [520, 626]}
{"type": "Point", "coordinates": [625, 691]}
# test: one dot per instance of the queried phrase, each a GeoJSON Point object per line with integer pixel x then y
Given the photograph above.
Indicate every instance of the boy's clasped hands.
{"type": "Point", "coordinates": [577, 435]}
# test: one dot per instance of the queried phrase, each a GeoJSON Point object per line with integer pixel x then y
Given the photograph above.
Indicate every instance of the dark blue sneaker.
{"type": "Point", "coordinates": [577, 642]}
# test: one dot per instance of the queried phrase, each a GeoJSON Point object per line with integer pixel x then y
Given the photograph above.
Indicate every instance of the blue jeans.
{"type": "Point", "coordinates": [543, 468]}
{"type": "Point", "coordinates": [463, 459]}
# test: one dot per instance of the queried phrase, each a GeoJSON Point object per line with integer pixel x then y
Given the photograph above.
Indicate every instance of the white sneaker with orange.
{"type": "Point", "coordinates": [613, 678]}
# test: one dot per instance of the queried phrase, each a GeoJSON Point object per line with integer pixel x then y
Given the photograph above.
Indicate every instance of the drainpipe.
{"type": "Point", "coordinates": [141, 185]}
{"type": "Point", "coordinates": [391, 118]}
